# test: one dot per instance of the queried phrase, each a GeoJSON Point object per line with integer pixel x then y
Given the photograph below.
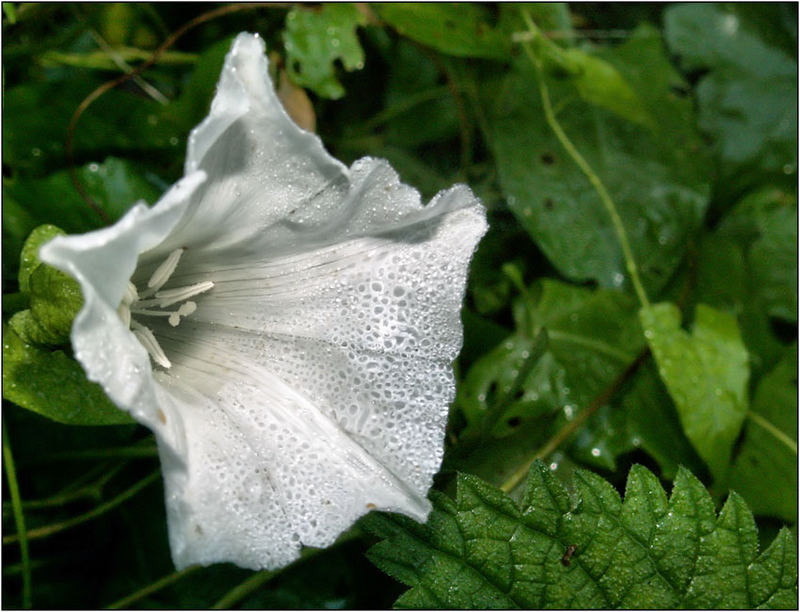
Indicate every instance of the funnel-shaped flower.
{"type": "Point", "coordinates": [285, 325]}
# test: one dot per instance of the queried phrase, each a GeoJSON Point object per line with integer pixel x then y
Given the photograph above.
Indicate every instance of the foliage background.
{"type": "Point", "coordinates": [687, 114]}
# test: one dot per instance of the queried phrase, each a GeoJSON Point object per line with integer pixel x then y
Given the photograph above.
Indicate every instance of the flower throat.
{"type": "Point", "coordinates": [153, 302]}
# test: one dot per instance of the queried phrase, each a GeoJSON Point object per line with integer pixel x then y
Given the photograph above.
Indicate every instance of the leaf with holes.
{"type": "Point", "coordinates": [585, 550]}
{"type": "Point", "coordinates": [656, 176]}
{"type": "Point", "coordinates": [315, 39]}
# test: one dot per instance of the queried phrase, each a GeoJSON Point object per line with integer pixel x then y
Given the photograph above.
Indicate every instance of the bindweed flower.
{"type": "Point", "coordinates": [284, 324]}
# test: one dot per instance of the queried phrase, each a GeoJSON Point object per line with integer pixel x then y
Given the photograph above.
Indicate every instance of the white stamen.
{"type": "Point", "coordinates": [170, 296]}
{"type": "Point", "coordinates": [149, 342]}
{"type": "Point", "coordinates": [186, 309]}
{"type": "Point", "coordinates": [151, 313]}
{"type": "Point", "coordinates": [165, 270]}
{"type": "Point", "coordinates": [131, 295]}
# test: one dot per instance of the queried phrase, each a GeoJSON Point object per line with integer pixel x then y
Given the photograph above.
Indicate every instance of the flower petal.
{"type": "Point", "coordinates": [102, 262]}
{"type": "Point", "coordinates": [342, 357]}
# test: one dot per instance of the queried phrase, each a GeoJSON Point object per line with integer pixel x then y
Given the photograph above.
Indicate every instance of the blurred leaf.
{"type": "Point", "coordinates": [706, 374]}
{"type": "Point", "coordinates": [588, 550]}
{"type": "Point", "coordinates": [54, 385]}
{"type": "Point", "coordinates": [315, 39]}
{"type": "Point", "coordinates": [764, 223]}
{"type": "Point", "coordinates": [660, 192]}
{"type": "Point", "coordinates": [10, 12]}
{"type": "Point", "coordinates": [464, 30]}
{"type": "Point", "coordinates": [747, 98]}
{"type": "Point", "coordinates": [115, 185]}
{"type": "Point", "coordinates": [765, 470]}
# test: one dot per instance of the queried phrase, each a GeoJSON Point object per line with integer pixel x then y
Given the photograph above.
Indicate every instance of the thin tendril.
{"type": "Point", "coordinates": [152, 588]}
{"type": "Point", "coordinates": [630, 261]}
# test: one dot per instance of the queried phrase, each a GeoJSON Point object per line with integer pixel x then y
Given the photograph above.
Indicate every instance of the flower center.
{"type": "Point", "coordinates": [153, 302]}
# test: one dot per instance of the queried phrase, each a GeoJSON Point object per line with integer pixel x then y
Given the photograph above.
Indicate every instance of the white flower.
{"type": "Point", "coordinates": [285, 325]}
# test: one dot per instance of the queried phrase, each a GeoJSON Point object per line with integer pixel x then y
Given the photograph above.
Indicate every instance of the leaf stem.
{"type": "Point", "coordinates": [611, 208]}
{"type": "Point", "coordinates": [243, 589]}
{"type": "Point", "coordinates": [19, 519]}
{"type": "Point", "coordinates": [565, 432]}
{"type": "Point", "coordinates": [765, 424]}
{"type": "Point", "coordinates": [152, 588]}
{"type": "Point", "coordinates": [47, 530]}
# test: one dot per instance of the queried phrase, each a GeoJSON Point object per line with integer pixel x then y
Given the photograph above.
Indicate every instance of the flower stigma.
{"type": "Point", "coordinates": [148, 302]}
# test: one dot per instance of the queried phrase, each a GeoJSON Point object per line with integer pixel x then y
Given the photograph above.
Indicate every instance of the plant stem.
{"type": "Point", "coordinates": [19, 519]}
{"type": "Point", "coordinates": [765, 424]}
{"type": "Point", "coordinates": [611, 208]}
{"type": "Point", "coordinates": [46, 530]}
{"type": "Point", "coordinates": [565, 432]}
{"type": "Point", "coordinates": [152, 588]}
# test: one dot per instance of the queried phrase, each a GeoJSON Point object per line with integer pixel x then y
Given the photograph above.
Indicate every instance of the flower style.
{"type": "Point", "coordinates": [285, 325]}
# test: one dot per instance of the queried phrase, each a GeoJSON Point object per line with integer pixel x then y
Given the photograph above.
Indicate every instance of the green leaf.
{"type": "Point", "coordinates": [746, 98]}
{"type": "Point", "coordinates": [54, 385]}
{"type": "Point", "coordinates": [29, 259]}
{"type": "Point", "coordinates": [591, 337]}
{"type": "Point", "coordinates": [764, 223]}
{"type": "Point", "coordinates": [315, 39]}
{"type": "Point", "coordinates": [765, 469]}
{"type": "Point", "coordinates": [585, 550]}
{"type": "Point", "coordinates": [115, 185]}
{"type": "Point", "coordinates": [661, 193]}
{"type": "Point", "coordinates": [463, 30]}
{"type": "Point", "coordinates": [706, 373]}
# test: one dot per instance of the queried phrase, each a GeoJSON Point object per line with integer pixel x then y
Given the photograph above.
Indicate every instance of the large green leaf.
{"type": "Point", "coordinates": [661, 192]}
{"type": "Point", "coordinates": [706, 373]}
{"type": "Point", "coordinates": [586, 550]}
{"type": "Point", "coordinates": [54, 385]}
{"type": "Point", "coordinates": [315, 39]}
{"type": "Point", "coordinates": [765, 469]}
{"type": "Point", "coordinates": [457, 29]}
{"type": "Point", "coordinates": [747, 98]}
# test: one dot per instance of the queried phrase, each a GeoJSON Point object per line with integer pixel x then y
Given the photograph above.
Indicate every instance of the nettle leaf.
{"type": "Point", "coordinates": [747, 98]}
{"type": "Point", "coordinates": [706, 373]}
{"type": "Point", "coordinates": [588, 549]}
{"type": "Point", "coordinates": [660, 192]}
{"type": "Point", "coordinates": [463, 30]}
{"type": "Point", "coordinates": [315, 39]}
{"type": "Point", "coordinates": [765, 469]}
{"type": "Point", "coordinates": [54, 385]}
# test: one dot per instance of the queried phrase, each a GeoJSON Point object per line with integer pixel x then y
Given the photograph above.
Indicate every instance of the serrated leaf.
{"type": "Point", "coordinates": [315, 39]}
{"type": "Point", "coordinates": [706, 373]}
{"type": "Point", "coordinates": [764, 471]}
{"type": "Point", "coordinates": [463, 30]}
{"type": "Point", "coordinates": [661, 194]}
{"type": "Point", "coordinates": [585, 550]}
{"type": "Point", "coordinates": [54, 385]}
